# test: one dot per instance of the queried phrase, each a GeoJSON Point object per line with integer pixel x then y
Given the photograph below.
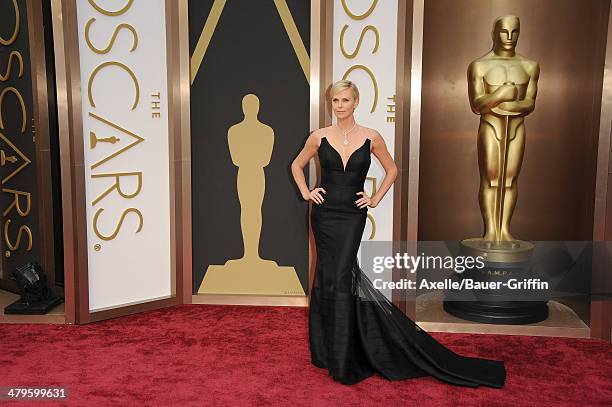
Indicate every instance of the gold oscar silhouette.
{"type": "Point", "coordinates": [6, 158]}
{"type": "Point", "coordinates": [94, 140]}
{"type": "Point", "coordinates": [250, 144]}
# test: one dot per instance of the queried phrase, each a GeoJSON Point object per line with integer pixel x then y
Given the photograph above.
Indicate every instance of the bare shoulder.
{"type": "Point", "coordinates": [322, 131]}
{"type": "Point", "coordinates": [372, 134]}
{"type": "Point", "coordinates": [375, 138]}
{"type": "Point", "coordinates": [316, 136]}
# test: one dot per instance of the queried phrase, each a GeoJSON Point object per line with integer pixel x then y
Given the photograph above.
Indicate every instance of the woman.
{"type": "Point", "coordinates": [354, 330]}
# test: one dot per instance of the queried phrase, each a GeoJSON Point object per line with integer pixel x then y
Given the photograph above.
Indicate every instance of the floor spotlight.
{"type": "Point", "coordinates": [36, 297]}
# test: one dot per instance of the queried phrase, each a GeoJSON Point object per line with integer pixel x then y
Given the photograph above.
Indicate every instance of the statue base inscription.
{"type": "Point", "coordinates": [503, 261]}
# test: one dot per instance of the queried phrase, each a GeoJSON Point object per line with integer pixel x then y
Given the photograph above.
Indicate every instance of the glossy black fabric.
{"type": "Point", "coordinates": [354, 330]}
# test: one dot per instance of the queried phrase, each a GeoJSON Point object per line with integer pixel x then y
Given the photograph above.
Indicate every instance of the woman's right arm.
{"type": "Point", "coordinates": [297, 168]}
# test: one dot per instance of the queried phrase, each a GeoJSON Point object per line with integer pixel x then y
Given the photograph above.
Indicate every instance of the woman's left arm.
{"type": "Point", "coordinates": [379, 149]}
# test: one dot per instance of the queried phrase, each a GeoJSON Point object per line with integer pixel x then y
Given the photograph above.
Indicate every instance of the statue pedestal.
{"type": "Point", "coordinates": [251, 276]}
{"type": "Point", "coordinates": [503, 261]}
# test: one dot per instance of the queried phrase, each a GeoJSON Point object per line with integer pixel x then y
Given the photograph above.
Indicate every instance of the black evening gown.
{"type": "Point", "coordinates": [354, 330]}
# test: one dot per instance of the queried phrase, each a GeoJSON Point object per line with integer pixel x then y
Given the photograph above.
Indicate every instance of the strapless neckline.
{"type": "Point", "coordinates": [366, 141]}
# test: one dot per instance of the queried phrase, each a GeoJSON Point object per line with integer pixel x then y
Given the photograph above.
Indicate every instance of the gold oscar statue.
{"type": "Point", "coordinates": [502, 87]}
{"type": "Point", "coordinates": [250, 144]}
{"type": "Point", "coordinates": [502, 90]}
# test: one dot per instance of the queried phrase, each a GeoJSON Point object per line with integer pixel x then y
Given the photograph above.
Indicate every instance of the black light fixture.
{"type": "Point", "coordinates": [36, 297]}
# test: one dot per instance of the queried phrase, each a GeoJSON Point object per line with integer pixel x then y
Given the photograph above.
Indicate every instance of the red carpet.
{"type": "Point", "coordinates": [243, 356]}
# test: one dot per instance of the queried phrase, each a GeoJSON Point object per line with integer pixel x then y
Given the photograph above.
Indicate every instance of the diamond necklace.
{"type": "Point", "coordinates": [345, 142]}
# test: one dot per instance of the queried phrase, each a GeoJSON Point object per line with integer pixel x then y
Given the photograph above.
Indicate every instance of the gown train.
{"type": "Point", "coordinates": [354, 330]}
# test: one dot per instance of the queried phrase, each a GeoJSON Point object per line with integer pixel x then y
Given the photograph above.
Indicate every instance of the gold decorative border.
{"type": "Point", "coordinates": [207, 32]}
{"type": "Point", "coordinates": [294, 37]}
{"type": "Point", "coordinates": [211, 24]}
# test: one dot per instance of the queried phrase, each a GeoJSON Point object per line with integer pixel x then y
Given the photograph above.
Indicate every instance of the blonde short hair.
{"type": "Point", "coordinates": [339, 86]}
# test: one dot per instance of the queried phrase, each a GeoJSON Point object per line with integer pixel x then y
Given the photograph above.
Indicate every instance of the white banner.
{"type": "Point", "coordinates": [122, 46]}
{"type": "Point", "coordinates": [365, 51]}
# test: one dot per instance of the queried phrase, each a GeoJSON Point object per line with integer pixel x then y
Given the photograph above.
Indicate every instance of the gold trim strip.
{"type": "Point", "coordinates": [183, 159]}
{"type": "Point", "coordinates": [255, 300]}
{"type": "Point", "coordinates": [62, 82]}
{"type": "Point", "coordinates": [205, 37]}
{"type": "Point", "coordinates": [294, 37]}
{"type": "Point", "coordinates": [416, 76]}
{"type": "Point", "coordinates": [524, 330]}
